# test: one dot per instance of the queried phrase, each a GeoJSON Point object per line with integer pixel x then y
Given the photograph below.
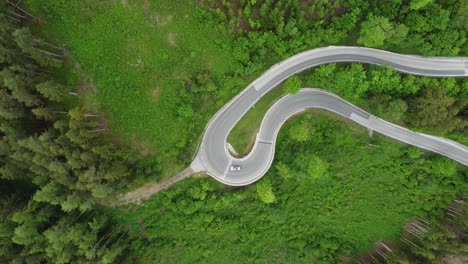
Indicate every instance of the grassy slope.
{"type": "Point", "coordinates": [139, 55]}
{"type": "Point", "coordinates": [357, 202]}
{"type": "Point", "coordinates": [243, 134]}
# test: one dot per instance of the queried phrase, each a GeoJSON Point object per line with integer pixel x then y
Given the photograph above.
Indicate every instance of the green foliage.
{"type": "Point", "coordinates": [370, 189]}
{"type": "Point", "coordinates": [283, 170]}
{"type": "Point", "coordinates": [414, 153]}
{"type": "Point", "coordinates": [210, 50]}
{"type": "Point", "coordinates": [74, 166]}
{"type": "Point", "coordinates": [374, 31]}
{"type": "Point", "coordinates": [52, 90]}
{"type": "Point", "coordinates": [435, 110]}
{"type": "Point", "coordinates": [392, 110]}
{"type": "Point", "coordinates": [171, 65]}
{"type": "Point", "coordinates": [317, 167]}
{"type": "Point", "coordinates": [42, 233]}
{"type": "Point", "coordinates": [351, 83]}
{"type": "Point", "coordinates": [9, 108]}
{"type": "Point", "coordinates": [300, 132]}
{"type": "Point", "coordinates": [243, 134]}
{"type": "Point", "coordinates": [378, 30]}
{"type": "Point", "coordinates": [29, 45]}
{"type": "Point", "coordinates": [53, 166]}
{"type": "Point", "coordinates": [418, 4]}
{"type": "Point", "coordinates": [442, 242]}
{"type": "Point", "coordinates": [265, 192]}
{"type": "Point", "coordinates": [20, 87]}
{"type": "Point", "coordinates": [292, 85]}
{"type": "Point", "coordinates": [160, 97]}
{"type": "Point", "coordinates": [395, 97]}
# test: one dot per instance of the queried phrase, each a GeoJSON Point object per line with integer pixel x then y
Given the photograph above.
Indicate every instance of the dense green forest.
{"type": "Point", "coordinates": [101, 96]}
{"type": "Point", "coordinates": [316, 205]}
{"type": "Point", "coordinates": [165, 66]}
{"type": "Point", "coordinates": [54, 163]}
{"type": "Point", "coordinates": [440, 242]}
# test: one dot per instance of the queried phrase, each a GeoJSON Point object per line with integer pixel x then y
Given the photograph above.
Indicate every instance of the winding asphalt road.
{"type": "Point", "coordinates": [213, 156]}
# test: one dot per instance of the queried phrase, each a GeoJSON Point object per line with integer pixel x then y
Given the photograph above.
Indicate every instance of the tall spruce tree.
{"type": "Point", "coordinates": [53, 168]}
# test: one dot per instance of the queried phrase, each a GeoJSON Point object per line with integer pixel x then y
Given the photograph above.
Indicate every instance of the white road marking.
{"type": "Point", "coordinates": [360, 120]}
{"type": "Point", "coordinates": [231, 149]}
{"type": "Point", "coordinates": [447, 141]}
{"type": "Point", "coordinates": [227, 169]}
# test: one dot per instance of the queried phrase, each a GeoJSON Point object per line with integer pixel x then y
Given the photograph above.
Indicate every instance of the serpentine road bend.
{"type": "Point", "coordinates": [214, 158]}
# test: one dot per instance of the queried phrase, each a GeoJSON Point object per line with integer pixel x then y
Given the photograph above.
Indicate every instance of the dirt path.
{"type": "Point", "coordinates": [148, 190]}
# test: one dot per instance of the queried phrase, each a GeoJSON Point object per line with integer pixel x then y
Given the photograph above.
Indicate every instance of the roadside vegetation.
{"type": "Point", "coordinates": [162, 68]}
{"type": "Point", "coordinates": [243, 134]}
{"type": "Point", "coordinates": [98, 97]}
{"type": "Point", "coordinates": [331, 193]}
{"type": "Point", "coordinates": [435, 106]}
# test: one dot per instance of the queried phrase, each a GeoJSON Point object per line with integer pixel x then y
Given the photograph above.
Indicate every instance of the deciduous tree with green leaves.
{"type": "Point", "coordinates": [265, 191]}
{"type": "Point", "coordinates": [292, 85]}
{"type": "Point", "coordinates": [375, 31]}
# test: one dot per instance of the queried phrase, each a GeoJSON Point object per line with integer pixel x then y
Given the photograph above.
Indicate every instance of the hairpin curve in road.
{"type": "Point", "coordinates": [214, 159]}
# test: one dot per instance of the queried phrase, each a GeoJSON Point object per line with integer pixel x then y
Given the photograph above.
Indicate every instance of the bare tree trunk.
{"type": "Point", "coordinates": [76, 218]}
{"type": "Point", "coordinates": [21, 9]}
{"type": "Point", "coordinates": [14, 18]}
{"type": "Point", "coordinates": [50, 53]}
{"type": "Point", "coordinates": [386, 247]}
{"type": "Point", "coordinates": [95, 125]}
{"type": "Point", "coordinates": [26, 71]}
{"type": "Point", "coordinates": [19, 54]}
{"type": "Point", "coordinates": [105, 244]}
{"type": "Point", "coordinates": [414, 232]}
{"type": "Point", "coordinates": [48, 44]}
{"type": "Point", "coordinates": [74, 94]}
{"type": "Point", "coordinates": [91, 123]}
{"type": "Point", "coordinates": [96, 130]}
{"type": "Point", "coordinates": [16, 14]}
{"type": "Point", "coordinates": [452, 215]}
{"type": "Point", "coordinates": [15, 5]}
{"type": "Point", "coordinates": [39, 68]}
{"type": "Point", "coordinates": [408, 242]}
{"type": "Point", "coordinates": [419, 227]}
{"type": "Point", "coordinates": [455, 211]}
{"type": "Point", "coordinates": [100, 240]}
{"type": "Point", "coordinates": [424, 221]}
{"type": "Point", "coordinates": [381, 254]}
{"type": "Point", "coordinates": [118, 239]}
{"type": "Point", "coordinates": [372, 256]}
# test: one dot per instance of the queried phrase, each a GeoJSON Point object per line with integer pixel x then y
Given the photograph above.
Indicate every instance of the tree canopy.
{"type": "Point", "coordinates": [54, 167]}
{"type": "Point", "coordinates": [435, 110]}
{"type": "Point", "coordinates": [374, 31]}
{"type": "Point", "coordinates": [292, 85]}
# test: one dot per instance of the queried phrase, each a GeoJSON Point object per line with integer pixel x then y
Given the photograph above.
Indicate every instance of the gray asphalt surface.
{"type": "Point", "coordinates": [214, 158]}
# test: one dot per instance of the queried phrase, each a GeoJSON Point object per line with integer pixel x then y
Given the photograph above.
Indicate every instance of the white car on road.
{"type": "Point", "coordinates": [235, 168]}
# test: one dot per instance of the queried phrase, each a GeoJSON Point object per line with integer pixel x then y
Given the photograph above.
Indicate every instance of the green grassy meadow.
{"type": "Point", "coordinates": [243, 134]}
{"type": "Point", "coordinates": [140, 55]}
